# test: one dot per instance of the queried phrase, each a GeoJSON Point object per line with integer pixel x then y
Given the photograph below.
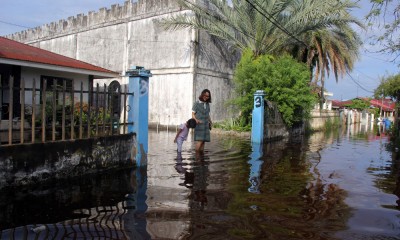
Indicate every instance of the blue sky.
{"type": "Point", "coordinates": [18, 15]}
{"type": "Point", "coordinates": [369, 69]}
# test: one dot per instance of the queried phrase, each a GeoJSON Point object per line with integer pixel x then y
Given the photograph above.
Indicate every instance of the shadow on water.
{"type": "Point", "coordinates": [337, 185]}
{"type": "Point", "coordinates": [106, 206]}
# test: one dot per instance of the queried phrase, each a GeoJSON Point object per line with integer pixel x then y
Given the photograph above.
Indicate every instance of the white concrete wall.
{"type": "Point", "coordinates": [170, 98]}
{"type": "Point", "coordinates": [319, 118]}
{"type": "Point", "coordinates": [182, 62]}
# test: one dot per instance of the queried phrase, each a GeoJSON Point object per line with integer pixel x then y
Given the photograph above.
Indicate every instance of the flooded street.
{"type": "Point", "coordinates": [340, 185]}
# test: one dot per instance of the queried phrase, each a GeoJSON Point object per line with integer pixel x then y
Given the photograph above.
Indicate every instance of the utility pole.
{"type": "Point", "coordinates": [383, 94]}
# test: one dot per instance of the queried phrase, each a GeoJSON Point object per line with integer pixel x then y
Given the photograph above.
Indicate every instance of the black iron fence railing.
{"type": "Point", "coordinates": [58, 110]}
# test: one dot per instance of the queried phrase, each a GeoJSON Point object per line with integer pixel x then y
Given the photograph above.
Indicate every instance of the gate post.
{"type": "Point", "coordinates": [257, 123]}
{"type": "Point", "coordinates": [139, 110]}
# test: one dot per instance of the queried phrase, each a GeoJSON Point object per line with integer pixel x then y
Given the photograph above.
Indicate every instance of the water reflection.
{"type": "Point", "coordinates": [395, 172]}
{"type": "Point", "coordinates": [338, 185]}
{"type": "Point", "coordinates": [194, 178]}
{"type": "Point", "coordinates": [134, 219]}
{"type": "Point", "coordinates": [200, 173]}
{"type": "Point", "coordinates": [255, 167]}
{"type": "Point", "coordinates": [99, 207]}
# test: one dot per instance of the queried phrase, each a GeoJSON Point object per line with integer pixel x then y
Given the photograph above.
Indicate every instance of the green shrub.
{"type": "Point", "coordinates": [284, 80]}
{"type": "Point", "coordinates": [233, 124]}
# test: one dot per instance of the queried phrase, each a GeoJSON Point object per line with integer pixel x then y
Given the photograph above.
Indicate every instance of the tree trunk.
{"type": "Point", "coordinates": [322, 97]}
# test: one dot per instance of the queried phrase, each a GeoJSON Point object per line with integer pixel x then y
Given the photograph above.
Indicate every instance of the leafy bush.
{"type": "Point", "coordinates": [100, 118]}
{"type": "Point", "coordinates": [93, 118]}
{"type": "Point", "coordinates": [284, 80]}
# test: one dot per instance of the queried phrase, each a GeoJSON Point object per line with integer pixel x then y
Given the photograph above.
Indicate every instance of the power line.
{"type": "Point", "coordinates": [13, 24]}
{"type": "Point", "coordinates": [358, 84]}
{"type": "Point", "coordinates": [227, 24]}
{"type": "Point", "coordinates": [271, 19]}
{"type": "Point", "coordinates": [365, 75]}
{"type": "Point", "coordinates": [274, 22]}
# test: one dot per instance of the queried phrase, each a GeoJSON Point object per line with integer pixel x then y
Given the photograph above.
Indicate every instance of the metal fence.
{"type": "Point", "coordinates": [58, 111]}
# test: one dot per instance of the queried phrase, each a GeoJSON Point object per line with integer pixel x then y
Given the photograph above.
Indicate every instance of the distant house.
{"type": "Point", "coordinates": [337, 104]}
{"type": "Point", "coordinates": [386, 106]}
{"type": "Point", "coordinates": [328, 102]}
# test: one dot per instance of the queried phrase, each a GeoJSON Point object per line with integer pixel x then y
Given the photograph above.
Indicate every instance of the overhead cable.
{"type": "Point", "coordinates": [274, 22]}
{"type": "Point", "coordinates": [358, 84]}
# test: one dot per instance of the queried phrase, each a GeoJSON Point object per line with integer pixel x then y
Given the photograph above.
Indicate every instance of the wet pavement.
{"type": "Point", "coordinates": [338, 185]}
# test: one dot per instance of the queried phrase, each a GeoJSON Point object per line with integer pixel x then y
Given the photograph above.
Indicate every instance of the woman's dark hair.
{"type": "Point", "coordinates": [203, 93]}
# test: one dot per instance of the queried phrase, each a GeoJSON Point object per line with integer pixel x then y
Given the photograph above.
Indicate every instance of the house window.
{"type": "Point", "coordinates": [58, 83]}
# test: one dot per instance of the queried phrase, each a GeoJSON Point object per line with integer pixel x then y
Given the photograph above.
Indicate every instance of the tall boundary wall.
{"type": "Point", "coordinates": [183, 62]}
{"type": "Point", "coordinates": [115, 15]}
{"type": "Point", "coordinates": [319, 118]}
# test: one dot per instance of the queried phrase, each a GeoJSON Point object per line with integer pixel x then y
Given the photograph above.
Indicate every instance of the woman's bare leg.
{"type": "Point", "coordinates": [200, 146]}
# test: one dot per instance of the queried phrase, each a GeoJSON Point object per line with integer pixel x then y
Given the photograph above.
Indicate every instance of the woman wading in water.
{"type": "Point", "coordinates": [201, 113]}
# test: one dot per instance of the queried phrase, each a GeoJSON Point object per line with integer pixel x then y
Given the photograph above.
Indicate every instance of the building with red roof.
{"type": "Point", "coordinates": [14, 53]}
{"type": "Point", "coordinates": [25, 64]}
{"type": "Point", "coordinates": [386, 106]}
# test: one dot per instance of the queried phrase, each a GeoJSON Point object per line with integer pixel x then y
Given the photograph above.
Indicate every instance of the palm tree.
{"type": "Point", "coordinates": [330, 51]}
{"type": "Point", "coordinates": [237, 23]}
{"type": "Point", "coordinates": [333, 48]}
{"type": "Point", "coordinates": [317, 32]}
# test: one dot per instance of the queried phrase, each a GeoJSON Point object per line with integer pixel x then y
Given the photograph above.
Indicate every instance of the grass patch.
{"type": "Point", "coordinates": [234, 124]}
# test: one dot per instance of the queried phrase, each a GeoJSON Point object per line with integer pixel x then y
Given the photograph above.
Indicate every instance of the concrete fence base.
{"type": "Point", "coordinates": [25, 164]}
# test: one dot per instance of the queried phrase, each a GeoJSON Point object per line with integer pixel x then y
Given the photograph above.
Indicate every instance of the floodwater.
{"type": "Point", "coordinates": [340, 185]}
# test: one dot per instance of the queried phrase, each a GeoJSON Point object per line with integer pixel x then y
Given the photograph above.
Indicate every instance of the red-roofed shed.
{"type": "Point", "coordinates": [25, 63]}
{"type": "Point", "coordinates": [19, 54]}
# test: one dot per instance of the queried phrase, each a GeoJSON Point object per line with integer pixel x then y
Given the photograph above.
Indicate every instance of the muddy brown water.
{"type": "Point", "coordinates": [337, 185]}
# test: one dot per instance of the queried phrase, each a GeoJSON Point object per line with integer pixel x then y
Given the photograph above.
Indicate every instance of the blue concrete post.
{"type": "Point", "coordinates": [139, 110]}
{"type": "Point", "coordinates": [257, 124]}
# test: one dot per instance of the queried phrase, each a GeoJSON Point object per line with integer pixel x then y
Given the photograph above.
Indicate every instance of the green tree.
{"type": "Point", "coordinates": [389, 87]}
{"type": "Point", "coordinates": [333, 50]}
{"type": "Point", "coordinates": [330, 49]}
{"type": "Point", "coordinates": [302, 28]}
{"type": "Point", "coordinates": [318, 33]}
{"type": "Point", "coordinates": [385, 15]}
{"type": "Point", "coordinates": [284, 80]}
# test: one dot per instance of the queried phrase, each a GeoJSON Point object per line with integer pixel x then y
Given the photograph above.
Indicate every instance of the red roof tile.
{"type": "Point", "coordinates": [386, 104]}
{"type": "Point", "coordinates": [10, 49]}
{"type": "Point", "coordinates": [338, 103]}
